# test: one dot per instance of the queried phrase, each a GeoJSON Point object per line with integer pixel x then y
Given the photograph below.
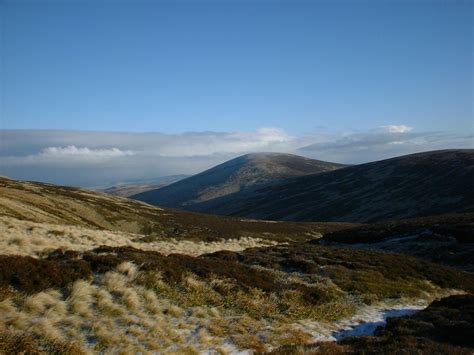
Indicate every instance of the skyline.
{"type": "Point", "coordinates": [87, 158]}
{"type": "Point", "coordinates": [93, 92]}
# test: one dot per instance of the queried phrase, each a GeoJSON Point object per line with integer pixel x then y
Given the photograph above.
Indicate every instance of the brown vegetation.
{"type": "Point", "coordinates": [445, 239]}
{"type": "Point", "coordinates": [445, 327]}
{"type": "Point", "coordinates": [14, 343]}
{"type": "Point", "coordinates": [31, 275]}
{"type": "Point", "coordinates": [254, 298]}
{"type": "Point", "coordinates": [459, 226]}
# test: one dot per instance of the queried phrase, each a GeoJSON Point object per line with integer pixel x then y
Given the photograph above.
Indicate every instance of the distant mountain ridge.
{"type": "Point", "coordinates": [239, 176]}
{"type": "Point", "coordinates": [133, 187]}
{"type": "Point", "coordinates": [414, 185]}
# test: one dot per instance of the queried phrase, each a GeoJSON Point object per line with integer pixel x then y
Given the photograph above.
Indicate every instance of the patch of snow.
{"type": "Point", "coordinates": [379, 319]}
{"type": "Point", "coordinates": [364, 322]}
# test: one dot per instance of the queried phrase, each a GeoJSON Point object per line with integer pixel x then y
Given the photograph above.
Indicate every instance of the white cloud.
{"type": "Point", "coordinates": [238, 142]}
{"type": "Point", "coordinates": [96, 158]}
{"type": "Point", "coordinates": [383, 142]}
{"type": "Point", "coordinates": [396, 128]}
{"type": "Point", "coordinates": [83, 152]}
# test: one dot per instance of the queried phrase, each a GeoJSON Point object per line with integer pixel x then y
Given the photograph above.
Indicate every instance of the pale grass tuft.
{"type": "Point", "coordinates": [106, 335]}
{"type": "Point", "coordinates": [39, 303]}
{"type": "Point", "coordinates": [7, 307]}
{"type": "Point", "coordinates": [131, 299]}
{"type": "Point", "coordinates": [127, 268]}
{"type": "Point", "coordinates": [115, 282]}
{"type": "Point", "coordinates": [81, 298]}
{"type": "Point", "coordinates": [38, 239]}
{"type": "Point", "coordinates": [204, 338]}
{"type": "Point", "coordinates": [151, 302]}
{"type": "Point", "coordinates": [175, 311]}
{"type": "Point", "coordinates": [106, 304]}
{"type": "Point", "coordinates": [47, 329]}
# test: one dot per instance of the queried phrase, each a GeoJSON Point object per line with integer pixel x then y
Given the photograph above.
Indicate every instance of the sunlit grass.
{"type": "Point", "coordinates": [38, 239]}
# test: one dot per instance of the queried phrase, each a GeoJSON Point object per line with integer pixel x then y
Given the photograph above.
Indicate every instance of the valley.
{"type": "Point", "coordinates": [237, 177]}
{"type": "Point", "coordinates": [87, 272]}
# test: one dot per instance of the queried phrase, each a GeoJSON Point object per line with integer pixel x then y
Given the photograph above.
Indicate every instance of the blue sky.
{"type": "Point", "coordinates": [236, 65]}
{"type": "Point", "coordinates": [93, 91]}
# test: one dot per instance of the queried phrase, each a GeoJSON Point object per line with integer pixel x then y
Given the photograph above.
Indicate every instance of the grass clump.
{"type": "Point", "coordinates": [13, 343]}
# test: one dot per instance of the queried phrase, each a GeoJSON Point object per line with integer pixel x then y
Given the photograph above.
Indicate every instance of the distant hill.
{"type": "Point", "coordinates": [237, 178]}
{"type": "Point", "coordinates": [129, 188]}
{"type": "Point", "coordinates": [415, 185]}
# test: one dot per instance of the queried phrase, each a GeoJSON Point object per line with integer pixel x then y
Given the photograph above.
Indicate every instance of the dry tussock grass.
{"type": "Point", "coordinates": [127, 311]}
{"type": "Point", "coordinates": [38, 239]}
{"type": "Point", "coordinates": [258, 299]}
{"type": "Point", "coordinates": [130, 311]}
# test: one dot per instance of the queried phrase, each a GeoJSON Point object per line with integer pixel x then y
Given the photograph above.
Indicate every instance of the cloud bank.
{"type": "Point", "coordinates": [71, 151]}
{"type": "Point", "coordinates": [86, 158]}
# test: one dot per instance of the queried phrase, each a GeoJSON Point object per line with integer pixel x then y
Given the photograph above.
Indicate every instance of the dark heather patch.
{"type": "Point", "coordinates": [446, 239]}
{"type": "Point", "coordinates": [356, 271]}
{"type": "Point", "coordinates": [30, 275]}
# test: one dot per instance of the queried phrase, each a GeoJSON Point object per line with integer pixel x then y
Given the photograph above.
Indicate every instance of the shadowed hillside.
{"type": "Point", "coordinates": [237, 178]}
{"type": "Point", "coordinates": [414, 185]}
{"type": "Point", "coordinates": [446, 239]}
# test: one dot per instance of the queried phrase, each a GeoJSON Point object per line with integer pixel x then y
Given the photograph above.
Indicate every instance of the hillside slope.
{"type": "Point", "coordinates": [414, 185]}
{"type": "Point", "coordinates": [238, 177]}
{"type": "Point", "coordinates": [47, 203]}
{"type": "Point", "coordinates": [74, 281]}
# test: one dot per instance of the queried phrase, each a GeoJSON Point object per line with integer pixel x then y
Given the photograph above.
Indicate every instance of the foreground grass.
{"type": "Point", "coordinates": [114, 300]}
{"type": "Point", "coordinates": [129, 311]}
{"type": "Point", "coordinates": [117, 312]}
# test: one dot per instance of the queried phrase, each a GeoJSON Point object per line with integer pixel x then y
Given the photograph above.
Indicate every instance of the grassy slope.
{"type": "Point", "coordinates": [46, 203]}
